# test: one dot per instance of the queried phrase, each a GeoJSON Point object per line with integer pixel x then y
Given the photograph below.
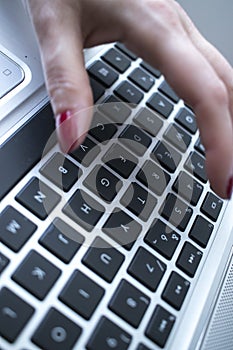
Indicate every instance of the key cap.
{"type": "Point", "coordinates": [103, 183]}
{"type": "Point", "coordinates": [199, 147]}
{"type": "Point", "coordinates": [151, 69]}
{"type": "Point", "coordinates": [117, 60]}
{"type": "Point", "coordinates": [139, 201]}
{"type": "Point", "coordinates": [201, 231]}
{"type": "Point", "coordinates": [195, 164]}
{"type": "Point", "coordinates": [4, 261]}
{"type": "Point", "coordinates": [86, 152]}
{"type": "Point", "coordinates": [189, 259]}
{"type": "Point", "coordinates": [148, 121]}
{"type": "Point", "coordinates": [97, 89]}
{"type": "Point", "coordinates": [122, 228]}
{"type": "Point", "coordinates": [36, 274]}
{"type": "Point", "coordinates": [166, 155]}
{"type": "Point", "coordinates": [176, 290]}
{"type": "Point", "coordinates": [162, 238]}
{"type": "Point", "coordinates": [126, 51]}
{"type": "Point", "coordinates": [212, 206]}
{"type": "Point", "coordinates": [188, 188]}
{"type": "Point", "coordinates": [11, 75]}
{"type": "Point", "coordinates": [160, 326]}
{"type": "Point", "coordinates": [177, 137]}
{"type": "Point", "coordinates": [101, 128]}
{"type": "Point", "coordinates": [147, 269]}
{"type": "Point", "coordinates": [160, 104]}
{"type": "Point", "coordinates": [102, 72]}
{"type": "Point", "coordinates": [61, 171]}
{"type": "Point", "coordinates": [115, 109]}
{"type": "Point", "coordinates": [56, 331]}
{"type": "Point", "coordinates": [142, 347]}
{"type": "Point", "coordinates": [187, 119]}
{"type": "Point", "coordinates": [16, 157]}
{"type": "Point", "coordinates": [81, 294]}
{"type": "Point", "coordinates": [14, 314]}
{"type": "Point", "coordinates": [84, 210]}
{"type": "Point", "coordinates": [129, 303]}
{"type": "Point", "coordinates": [107, 336]}
{"type": "Point", "coordinates": [135, 139]}
{"type": "Point", "coordinates": [15, 228]}
{"type": "Point", "coordinates": [153, 177]}
{"type": "Point", "coordinates": [61, 240]}
{"type": "Point", "coordinates": [37, 197]}
{"type": "Point", "coordinates": [142, 79]}
{"type": "Point", "coordinates": [166, 89]}
{"type": "Point", "coordinates": [176, 212]}
{"type": "Point", "coordinates": [120, 160]}
{"type": "Point", "coordinates": [103, 259]}
{"type": "Point", "coordinates": [129, 93]}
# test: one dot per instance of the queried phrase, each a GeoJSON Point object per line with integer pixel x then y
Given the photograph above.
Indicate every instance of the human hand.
{"type": "Point", "coordinates": [161, 33]}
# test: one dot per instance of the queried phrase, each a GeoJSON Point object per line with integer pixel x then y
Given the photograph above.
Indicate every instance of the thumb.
{"type": "Point", "coordinates": [67, 81]}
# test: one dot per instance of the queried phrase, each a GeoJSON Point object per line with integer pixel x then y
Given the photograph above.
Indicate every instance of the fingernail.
{"type": "Point", "coordinates": [66, 130]}
{"type": "Point", "coordinates": [230, 188]}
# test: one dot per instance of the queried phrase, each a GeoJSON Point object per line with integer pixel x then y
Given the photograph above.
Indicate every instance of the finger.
{"type": "Point", "coordinates": [66, 78]}
{"type": "Point", "coordinates": [169, 48]}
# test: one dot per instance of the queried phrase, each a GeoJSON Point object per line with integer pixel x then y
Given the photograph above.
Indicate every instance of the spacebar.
{"type": "Point", "coordinates": [25, 148]}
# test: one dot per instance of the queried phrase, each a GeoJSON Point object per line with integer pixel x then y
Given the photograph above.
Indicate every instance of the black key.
{"type": "Point", "coordinates": [153, 177]}
{"type": "Point", "coordinates": [189, 259]}
{"type": "Point", "coordinates": [108, 336]}
{"type": "Point", "coordinates": [37, 197]}
{"type": "Point", "coordinates": [81, 294]}
{"type": "Point", "coordinates": [148, 121]}
{"type": "Point", "coordinates": [86, 152]}
{"type": "Point", "coordinates": [126, 51]}
{"type": "Point", "coordinates": [134, 138]}
{"type": "Point", "coordinates": [147, 269]}
{"type": "Point", "coordinates": [162, 238]}
{"type": "Point", "coordinates": [101, 128]}
{"type": "Point", "coordinates": [142, 79]}
{"type": "Point", "coordinates": [139, 201]}
{"type": "Point", "coordinates": [103, 183]}
{"type": "Point", "coordinates": [84, 210]}
{"type": "Point", "coordinates": [177, 137]}
{"type": "Point", "coordinates": [166, 155]}
{"type": "Point", "coordinates": [56, 331]}
{"type": "Point", "coordinates": [115, 109]}
{"type": "Point", "coordinates": [17, 157]}
{"type": "Point", "coordinates": [103, 259]}
{"type": "Point", "coordinates": [14, 314]}
{"type": "Point", "coordinates": [160, 326]}
{"type": "Point", "coordinates": [61, 240]}
{"type": "Point", "coordinates": [201, 231]}
{"type": "Point", "coordinates": [199, 146]}
{"type": "Point", "coordinates": [102, 72]}
{"type": "Point", "coordinates": [160, 104]}
{"type": "Point", "coordinates": [15, 228]}
{"type": "Point", "coordinates": [166, 89]}
{"type": "Point", "coordinates": [142, 347]}
{"type": "Point", "coordinates": [151, 69]}
{"type": "Point", "coordinates": [122, 228]}
{"type": "Point", "coordinates": [129, 93]}
{"type": "Point", "coordinates": [187, 119]}
{"type": "Point", "coordinates": [117, 60]}
{"type": "Point", "coordinates": [129, 303]}
{"type": "Point", "coordinates": [176, 212]}
{"type": "Point", "coordinates": [212, 206]}
{"type": "Point", "coordinates": [188, 188]}
{"type": "Point", "coordinates": [195, 164]}
{"type": "Point", "coordinates": [36, 274]}
{"type": "Point", "coordinates": [97, 89]}
{"type": "Point", "coordinates": [4, 261]}
{"type": "Point", "coordinates": [176, 290]}
{"type": "Point", "coordinates": [120, 160]}
{"type": "Point", "coordinates": [61, 171]}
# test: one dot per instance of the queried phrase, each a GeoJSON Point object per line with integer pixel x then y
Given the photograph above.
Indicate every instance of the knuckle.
{"type": "Point", "coordinates": [219, 93]}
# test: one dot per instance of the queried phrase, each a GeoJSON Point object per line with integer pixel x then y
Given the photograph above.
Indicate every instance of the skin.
{"type": "Point", "coordinates": [160, 32]}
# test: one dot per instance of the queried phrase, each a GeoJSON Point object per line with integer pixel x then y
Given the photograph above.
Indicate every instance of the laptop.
{"type": "Point", "coordinates": [120, 244]}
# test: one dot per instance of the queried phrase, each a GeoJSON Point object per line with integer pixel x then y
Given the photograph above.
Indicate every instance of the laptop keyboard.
{"type": "Point", "coordinates": [110, 238]}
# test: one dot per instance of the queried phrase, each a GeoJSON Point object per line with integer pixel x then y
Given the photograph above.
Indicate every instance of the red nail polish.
{"type": "Point", "coordinates": [66, 130]}
{"type": "Point", "coordinates": [230, 188]}
{"type": "Point", "coordinates": [63, 117]}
